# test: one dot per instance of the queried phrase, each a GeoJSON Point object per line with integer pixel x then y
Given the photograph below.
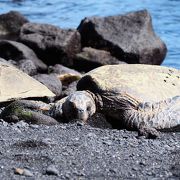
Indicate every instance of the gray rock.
{"type": "Point", "coordinates": [27, 66]}
{"type": "Point", "coordinates": [91, 58]}
{"type": "Point", "coordinates": [24, 172]}
{"type": "Point", "coordinates": [51, 82]}
{"type": "Point", "coordinates": [128, 37]}
{"type": "Point", "coordinates": [10, 23]}
{"type": "Point", "coordinates": [69, 89]}
{"type": "Point", "coordinates": [52, 170]}
{"type": "Point", "coordinates": [32, 112]}
{"type": "Point", "coordinates": [18, 51]}
{"type": "Point", "coordinates": [52, 44]}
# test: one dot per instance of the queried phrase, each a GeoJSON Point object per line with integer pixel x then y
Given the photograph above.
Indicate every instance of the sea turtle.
{"type": "Point", "coordinates": [138, 97]}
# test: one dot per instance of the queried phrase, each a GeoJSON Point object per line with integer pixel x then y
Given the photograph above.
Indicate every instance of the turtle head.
{"type": "Point", "coordinates": [79, 105]}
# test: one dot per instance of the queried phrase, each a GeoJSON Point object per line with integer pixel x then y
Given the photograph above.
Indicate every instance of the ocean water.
{"type": "Point", "coordinates": [69, 13]}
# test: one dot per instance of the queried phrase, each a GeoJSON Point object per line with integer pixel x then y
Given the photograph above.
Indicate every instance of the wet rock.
{"type": "Point", "coordinates": [52, 170]}
{"type": "Point", "coordinates": [51, 82]}
{"type": "Point", "coordinates": [10, 24]}
{"type": "Point", "coordinates": [91, 58]}
{"type": "Point", "coordinates": [52, 44]}
{"type": "Point", "coordinates": [128, 37]}
{"type": "Point", "coordinates": [18, 51]}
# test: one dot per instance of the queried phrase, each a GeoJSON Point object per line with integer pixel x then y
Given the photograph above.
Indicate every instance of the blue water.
{"type": "Point", "coordinates": [68, 13]}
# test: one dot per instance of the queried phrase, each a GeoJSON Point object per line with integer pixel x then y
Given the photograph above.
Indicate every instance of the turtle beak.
{"type": "Point", "coordinates": [82, 115]}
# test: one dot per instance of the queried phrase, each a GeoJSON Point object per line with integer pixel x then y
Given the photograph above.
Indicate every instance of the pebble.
{"type": "Point", "coordinates": [4, 123]}
{"type": "Point", "coordinates": [52, 170]}
{"type": "Point", "coordinates": [34, 126]}
{"type": "Point", "coordinates": [24, 172]}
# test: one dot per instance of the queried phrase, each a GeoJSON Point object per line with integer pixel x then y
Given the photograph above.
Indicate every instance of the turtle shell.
{"type": "Point", "coordinates": [14, 84]}
{"type": "Point", "coordinates": [145, 83]}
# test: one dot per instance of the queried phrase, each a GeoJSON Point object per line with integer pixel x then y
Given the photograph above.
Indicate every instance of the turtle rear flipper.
{"type": "Point", "coordinates": [148, 132]}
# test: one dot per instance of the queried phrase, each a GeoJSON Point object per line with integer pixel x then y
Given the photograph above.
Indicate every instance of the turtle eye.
{"type": "Point", "coordinates": [88, 108]}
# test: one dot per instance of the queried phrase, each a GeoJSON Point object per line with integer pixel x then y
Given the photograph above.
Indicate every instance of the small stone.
{"type": "Point", "coordinates": [34, 126]}
{"type": "Point", "coordinates": [108, 142]}
{"type": "Point", "coordinates": [52, 170]}
{"type": "Point", "coordinates": [4, 123]}
{"type": "Point", "coordinates": [24, 172]}
{"type": "Point", "coordinates": [80, 123]}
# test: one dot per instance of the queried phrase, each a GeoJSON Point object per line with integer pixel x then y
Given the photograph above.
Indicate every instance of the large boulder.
{"type": "Point", "coordinates": [52, 44]}
{"type": "Point", "coordinates": [10, 23]}
{"type": "Point", "coordinates": [91, 58]}
{"type": "Point", "coordinates": [14, 84]}
{"type": "Point", "coordinates": [128, 37]}
{"type": "Point", "coordinates": [18, 51]}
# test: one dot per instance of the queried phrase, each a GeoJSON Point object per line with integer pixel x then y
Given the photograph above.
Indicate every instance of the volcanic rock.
{"type": "Point", "coordinates": [91, 58]}
{"type": "Point", "coordinates": [18, 51]}
{"type": "Point", "coordinates": [52, 44]}
{"type": "Point", "coordinates": [10, 23]}
{"type": "Point", "coordinates": [128, 37]}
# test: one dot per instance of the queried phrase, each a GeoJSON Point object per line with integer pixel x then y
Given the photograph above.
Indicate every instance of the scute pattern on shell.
{"type": "Point", "coordinates": [145, 83]}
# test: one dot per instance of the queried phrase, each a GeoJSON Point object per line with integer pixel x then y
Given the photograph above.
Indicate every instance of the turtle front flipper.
{"type": "Point", "coordinates": [32, 112]}
{"type": "Point", "coordinates": [147, 118]}
{"type": "Point", "coordinates": [150, 117]}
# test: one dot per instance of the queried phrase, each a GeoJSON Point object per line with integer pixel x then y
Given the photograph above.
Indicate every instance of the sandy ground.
{"type": "Point", "coordinates": [72, 151]}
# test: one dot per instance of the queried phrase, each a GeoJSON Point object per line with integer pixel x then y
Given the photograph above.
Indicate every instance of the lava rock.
{"type": "Point", "coordinates": [91, 58]}
{"type": "Point", "coordinates": [51, 82]}
{"type": "Point", "coordinates": [10, 23]}
{"type": "Point", "coordinates": [128, 37]}
{"type": "Point", "coordinates": [18, 51]}
{"type": "Point", "coordinates": [27, 66]}
{"type": "Point", "coordinates": [52, 44]}
{"type": "Point", "coordinates": [32, 112]}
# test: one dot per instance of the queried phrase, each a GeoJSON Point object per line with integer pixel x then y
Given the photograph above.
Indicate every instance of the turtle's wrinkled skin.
{"type": "Point", "coordinates": [137, 97]}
